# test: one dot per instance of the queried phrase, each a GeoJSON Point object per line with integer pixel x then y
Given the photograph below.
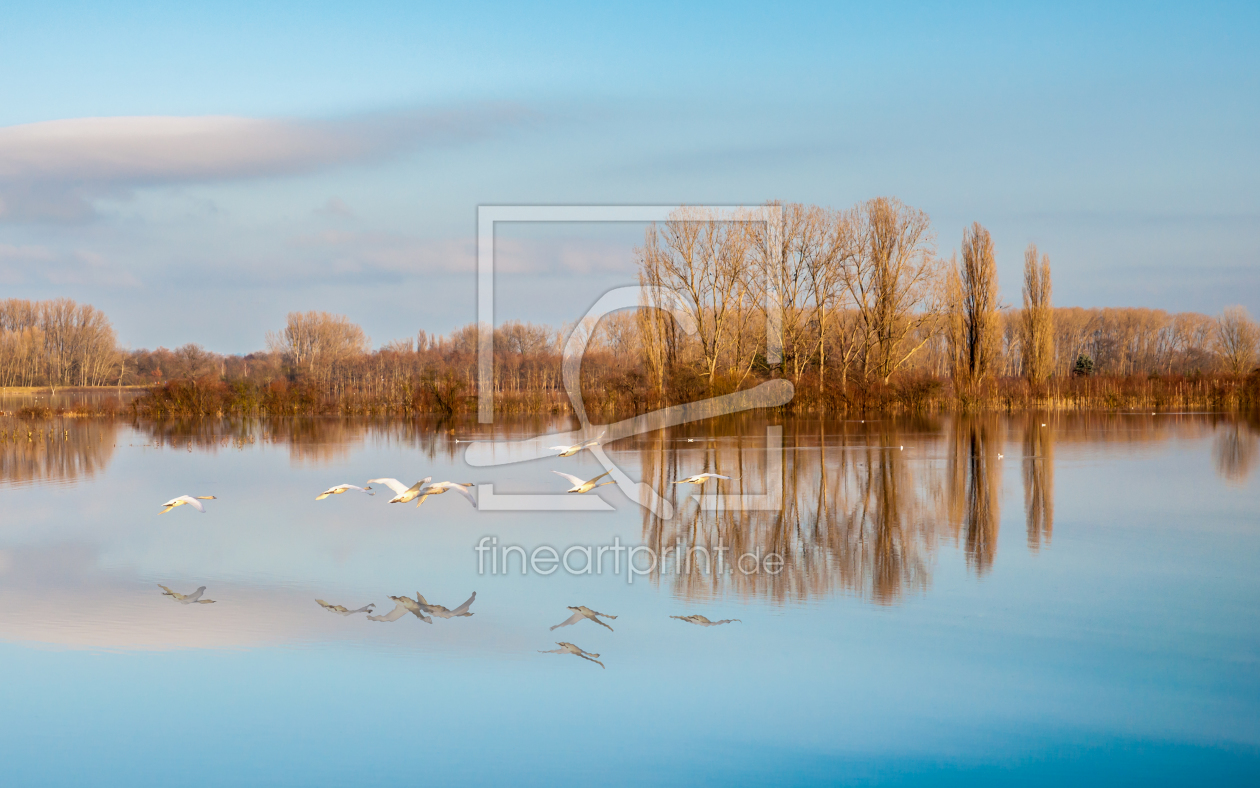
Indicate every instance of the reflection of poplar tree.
{"type": "Point", "coordinates": [1235, 452]}
{"type": "Point", "coordinates": [974, 484]}
{"type": "Point", "coordinates": [1038, 482]}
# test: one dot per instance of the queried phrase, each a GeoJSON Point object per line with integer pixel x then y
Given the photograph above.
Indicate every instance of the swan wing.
{"type": "Point", "coordinates": [573, 619]}
{"type": "Point", "coordinates": [398, 612]}
{"type": "Point", "coordinates": [398, 487]}
{"type": "Point", "coordinates": [575, 480]}
{"type": "Point", "coordinates": [193, 502]}
{"type": "Point", "coordinates": [464, 491]}
{"type": "Point", "coordinates": [463, 609]}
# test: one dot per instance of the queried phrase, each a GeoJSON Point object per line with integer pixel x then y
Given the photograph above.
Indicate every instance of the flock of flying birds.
{"type": "Point", "coordinates": [420, 607]}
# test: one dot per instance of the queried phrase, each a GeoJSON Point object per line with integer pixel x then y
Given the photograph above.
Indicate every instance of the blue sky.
{"type": "Point", "coordinates": [260, 160]}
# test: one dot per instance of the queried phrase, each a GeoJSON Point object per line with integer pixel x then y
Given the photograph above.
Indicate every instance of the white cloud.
{"type": "Point", "coordinates": [56, 169]}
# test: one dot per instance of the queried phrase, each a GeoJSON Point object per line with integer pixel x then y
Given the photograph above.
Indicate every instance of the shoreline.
{"type": "Point", "coordinates": [187, 399]}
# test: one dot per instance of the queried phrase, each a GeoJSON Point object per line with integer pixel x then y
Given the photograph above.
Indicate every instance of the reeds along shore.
{"type": "Point", "coordinates": [1214, 392]}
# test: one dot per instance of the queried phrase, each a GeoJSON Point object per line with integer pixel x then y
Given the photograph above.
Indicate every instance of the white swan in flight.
{"type": "Point", "coordinates": [569, 451]}
{"type": "Point", "coordinates": [700, 620]}
{"type": "Point", "coordinates": [580, 486]}
{"type": "Point", "coordinates": [701, 478]}
{"type": "Point", "coordinates": [187, 599]}
{"type": "Point", "coordinates": [187, 499]}
{"type": "Point", "coordinates": [342, 610]}
{"type": "Point", "coordinates": [443, 612]}
{"type": "Point", "coordinates": [402, 493]}
{"type": "Point", "coordinates": [437, 488]}
{"type": "Point", "coordinates": [569, 648]}
{"type": "Point", "coordinates": [580, 612]}
{"type": "Point", "coordinates": [402, 606]}
{"type": "Point", "coordinates": [340, 488]}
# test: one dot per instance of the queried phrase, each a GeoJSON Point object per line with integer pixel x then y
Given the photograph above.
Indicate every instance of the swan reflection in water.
{"type": "Point", "coordinates": [580, 612]}
{"type": "Point", "coordinates": [342, 610]}
{"type": "Point", "coordinates": [443, 612]}
{"type": "Point", "coordinates": [569, 648]}
{"type": "Point", "coordinates": [187, 599]}
{"type": "Point", "coordinates": [699, 620]}
{"type": "Point", "coordinates": [402, 606]}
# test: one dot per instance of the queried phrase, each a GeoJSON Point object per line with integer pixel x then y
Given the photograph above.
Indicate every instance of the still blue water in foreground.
{"type": "Point", "coordinates": [1121, 644]}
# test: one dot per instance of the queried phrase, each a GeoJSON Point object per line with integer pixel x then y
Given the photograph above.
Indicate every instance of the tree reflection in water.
{"type": "Point", "coordinates": [854, 513]}
{"type": "Point", "coordinates": [975, 475]}
{"type": "Point", "coordinates": [58, 449]}
{"type": "Point", "coordinates": [1038, 467]}
{"type": "Point", "coordinates": [1234, 451]}
{"type": "Point", "coordinates": [847, 508]}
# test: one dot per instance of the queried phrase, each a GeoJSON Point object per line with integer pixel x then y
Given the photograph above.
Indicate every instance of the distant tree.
{"type": "Point", "coordinates": [318, 343]}
{"type": "Point", "coordinates": [1237, 338]}
{"type": "Point", "coordinates": [1084, 366]}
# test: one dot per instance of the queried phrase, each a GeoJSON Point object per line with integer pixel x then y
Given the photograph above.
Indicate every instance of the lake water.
{"type": "Point", "coordinates": [1041, 599]}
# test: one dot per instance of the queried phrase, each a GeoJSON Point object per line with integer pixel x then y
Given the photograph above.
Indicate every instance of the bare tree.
{"type": "Point", "coordinates": [1237, 338]}
{"type": "Point", "coordinates": [702, 256]}
{"type": "Point", "coordinates": [892, 281]}
{"type": "Point", "coordinates": [975, 325]}
{"type": "Point", "coordinates": [798, 265]}
{"type": "Point", "coordinates": [316, 343]}
{"type": "Point", "coordinates": [1037, 342]}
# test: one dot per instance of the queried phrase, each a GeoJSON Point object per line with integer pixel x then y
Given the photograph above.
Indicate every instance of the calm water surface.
{"type": "Point", "coordinates": [1040, 598]}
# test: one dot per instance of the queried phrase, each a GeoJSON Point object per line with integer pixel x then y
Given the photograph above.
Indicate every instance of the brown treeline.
{"type": "Point", "coordinates": [866, 313]}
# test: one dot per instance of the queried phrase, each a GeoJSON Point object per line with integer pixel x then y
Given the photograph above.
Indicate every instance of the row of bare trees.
{"type": "Point", "coordinates": [848, 290]}
{"type": "Point", "coordinates": [863, 292]}
{"type": "Point", "coordinates": [825, 297]}
{"type": "Point", "coordinates": [56, 343]}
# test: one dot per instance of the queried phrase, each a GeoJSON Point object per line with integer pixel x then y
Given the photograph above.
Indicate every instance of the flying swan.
{"type": "Point", "coordinates": [402, 493]}
{"type": "Point", "coordinates": [187, 499]}
{"type": "Point", "coordinates": [580, 486]}
{"type": "Point", "coordinates": [340, 488]}
{"type": "Point", "coordinates": [569, 451]}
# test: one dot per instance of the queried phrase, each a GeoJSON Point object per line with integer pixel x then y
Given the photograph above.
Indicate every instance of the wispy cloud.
{"type": "Point", "coordinates": [55, 170]}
